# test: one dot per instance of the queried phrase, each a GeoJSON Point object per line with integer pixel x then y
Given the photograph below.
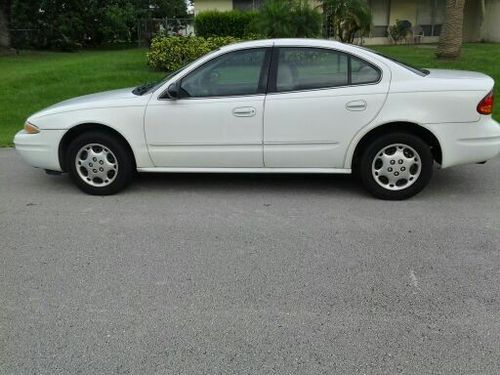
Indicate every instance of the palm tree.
{"type": "Point", "coordinates": [450, 42]}
{"type": "Point", "coordinates": [288, 19]}
{"type": "Point", "coordinates": [346, 18]}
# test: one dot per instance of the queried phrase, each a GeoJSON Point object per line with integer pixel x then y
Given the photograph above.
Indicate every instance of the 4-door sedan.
{"type": "Point", "coordinates": [274, 106]}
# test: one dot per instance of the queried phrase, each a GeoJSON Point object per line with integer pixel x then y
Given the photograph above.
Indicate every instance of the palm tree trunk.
{"type": "Point", "coordinates": [450, 42]}
{"type": "Point", "coordinates": [326, 21]}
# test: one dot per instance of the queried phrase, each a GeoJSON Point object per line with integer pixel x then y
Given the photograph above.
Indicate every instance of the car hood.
{"type": "Point", "coordinates": [114, 98]}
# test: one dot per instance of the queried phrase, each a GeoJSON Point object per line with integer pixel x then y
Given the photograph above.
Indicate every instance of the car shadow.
{"type": "Point", "coordinates": [454, 181]}
{"type": "Point", "coordinates": [245, 183]}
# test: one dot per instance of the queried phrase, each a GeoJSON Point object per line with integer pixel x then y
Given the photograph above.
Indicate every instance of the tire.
{"type": "Point", "coordinates": [99, 164]}
{"type": "Point", "coordinates": [396, 166]}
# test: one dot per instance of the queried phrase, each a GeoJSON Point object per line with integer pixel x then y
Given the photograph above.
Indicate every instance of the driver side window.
{"type": "Point", "coordinates": [235, 73]}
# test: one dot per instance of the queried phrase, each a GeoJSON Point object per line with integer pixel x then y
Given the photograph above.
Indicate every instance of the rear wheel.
{"type": "Point", "coordinates": [99, 164]}
{"type": "Point", "coordinates": [396, 166]}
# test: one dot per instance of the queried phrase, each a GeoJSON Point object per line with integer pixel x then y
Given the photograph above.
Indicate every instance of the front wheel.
{"type": "Point", "coordinates": [99, 164]}
{"type": "Point", "coordinates": [396, 166]}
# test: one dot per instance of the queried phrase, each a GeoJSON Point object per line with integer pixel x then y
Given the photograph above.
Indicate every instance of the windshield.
{"type": "Point", "coordinates": [419, 71]}
{"type": "Point", "coordinates": [152, 86]}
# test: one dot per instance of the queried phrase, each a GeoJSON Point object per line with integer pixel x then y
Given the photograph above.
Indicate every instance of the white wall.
{"type": "Point", "coordinates": [491, 27]}
{"type": "Point", "coordinates": [222, 5]}
{"type": "Point", "coordinates": [380, 40]}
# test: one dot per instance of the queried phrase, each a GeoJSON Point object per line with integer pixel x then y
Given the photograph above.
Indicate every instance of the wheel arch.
{"type": "Point", "coordinates": [399, 127]}
{"type": "Point", "coordinates": [79, 129]}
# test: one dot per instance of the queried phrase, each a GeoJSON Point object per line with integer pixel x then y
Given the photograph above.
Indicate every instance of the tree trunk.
{"type": "Point", "coordinates": [4, 32]}
{"type": "Point", "coordinates": [450, 42]}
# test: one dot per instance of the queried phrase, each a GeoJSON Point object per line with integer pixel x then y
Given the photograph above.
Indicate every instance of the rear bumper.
{"type": "Point", "coordinates": [40, 150]}
{"type": "Point", "coordinates": [467, 143]}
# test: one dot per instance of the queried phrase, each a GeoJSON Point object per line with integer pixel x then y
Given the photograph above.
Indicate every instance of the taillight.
{"type": "Point", "coordinates": [485, 106]}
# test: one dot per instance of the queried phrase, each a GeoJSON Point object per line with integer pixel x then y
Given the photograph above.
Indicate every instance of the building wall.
{"type": "Point", "coordinates": [491, 26]}
{"type": "Point", "coordinates": [375, 41]}
{"type": "Point", "coordinates": [472, 21]}
{"type": "Point", "coordinates": [201, 5]}
{"type": "Point", "coordinates": [404, 10]}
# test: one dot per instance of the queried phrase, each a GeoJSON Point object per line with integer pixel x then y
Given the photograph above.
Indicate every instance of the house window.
{"type": "Point", "coordinates": [380, 12]}
{"type": "Point", "coordinates": [246, 4]}
{"type": "Point", "coordinates": [430, 16]}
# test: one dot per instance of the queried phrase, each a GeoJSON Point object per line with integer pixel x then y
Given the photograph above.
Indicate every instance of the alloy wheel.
{"type": "Point", "coordinates": [96, 165]}
{"type": "Point", "coordinates": [396, 167]}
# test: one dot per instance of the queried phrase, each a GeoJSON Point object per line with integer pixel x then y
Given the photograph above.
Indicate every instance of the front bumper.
{"type": "Point", "coordinates": [468, 143]}
{"type": "Point", "coordinates": [40, 150]}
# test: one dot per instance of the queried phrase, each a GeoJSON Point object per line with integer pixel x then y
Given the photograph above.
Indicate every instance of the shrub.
{"type": "Point", "coordinates": [65, 44]}
{"type": "Point", "coordinates": [170, 53]}
{"type": "Point", "coordinates": [288, 19]}
{"type": "Point", "coordinates": [399, 31]}
{"type": "Point", "coordinates": [231, 23]}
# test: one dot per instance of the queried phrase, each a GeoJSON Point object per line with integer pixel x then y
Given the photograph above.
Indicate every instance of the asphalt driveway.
{"type": "Point", "coordinates": [249, 274]}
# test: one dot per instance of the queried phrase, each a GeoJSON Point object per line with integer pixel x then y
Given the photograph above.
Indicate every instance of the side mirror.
{"type": "Point", "coordinates": [173, 91]}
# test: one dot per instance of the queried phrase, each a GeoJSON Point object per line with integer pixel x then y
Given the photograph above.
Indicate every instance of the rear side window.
{"type": "Point", "coordinates": [363, 72]}
{"type": "Point", "coordinates": [315, 68]}
{"type": "Point", "coordinates": [310, 68]}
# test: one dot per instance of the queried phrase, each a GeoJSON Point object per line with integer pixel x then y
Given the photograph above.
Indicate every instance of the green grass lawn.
{"type": "Point", "coordinates": [34, 80]}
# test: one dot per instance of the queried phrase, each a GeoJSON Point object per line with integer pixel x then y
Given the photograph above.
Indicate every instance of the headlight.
{"type": "Point", "coordinates": [31, 129]}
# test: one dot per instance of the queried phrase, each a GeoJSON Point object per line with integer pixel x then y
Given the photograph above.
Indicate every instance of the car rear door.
{"type": "Point", "coordinates": [318, 100]}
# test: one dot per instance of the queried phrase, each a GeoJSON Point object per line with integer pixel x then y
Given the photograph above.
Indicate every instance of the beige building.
{"type": "Point", "coordinates": [482, 17]}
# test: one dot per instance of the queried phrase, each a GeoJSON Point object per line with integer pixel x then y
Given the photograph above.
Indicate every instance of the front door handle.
{"type": "Point", "coordinates": [356, 105]}
{"type": "Point", "coordinates": [244, 112]}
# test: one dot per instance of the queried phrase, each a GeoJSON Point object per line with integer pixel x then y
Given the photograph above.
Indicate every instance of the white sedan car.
{"type": "Point", "coordinates": [274, 106]}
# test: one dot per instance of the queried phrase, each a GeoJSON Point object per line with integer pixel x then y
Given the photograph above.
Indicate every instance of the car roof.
{"type": "Point", "coordinates": [302, 42]}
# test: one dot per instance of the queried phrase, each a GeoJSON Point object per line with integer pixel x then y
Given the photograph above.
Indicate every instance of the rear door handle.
{"type": "Point", "coordinates": [356, 105]}
{"type": "Point", "coordinates": [244, 111]}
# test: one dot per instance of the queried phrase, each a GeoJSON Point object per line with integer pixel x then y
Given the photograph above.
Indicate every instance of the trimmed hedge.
{"type": "Point", "coordinates": [230, 23]}
{"type": "Point", "coordinates": [170, 53]}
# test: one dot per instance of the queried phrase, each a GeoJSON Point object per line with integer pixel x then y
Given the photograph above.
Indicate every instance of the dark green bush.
{"type": "Point", "coordinates": [71, 24]}
{"type": "Point", "coordinates": [399, 31]}
{"type": "Point", "coordinates": [169, 53]}
{"type": "Point", "coordinates": [230, 23]}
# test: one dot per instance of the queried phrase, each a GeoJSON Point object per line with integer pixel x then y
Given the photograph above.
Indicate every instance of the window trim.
{"type": "Point", "coordinates": [262, 87]}
{"type": "Point", "coordinates": [273, 76]}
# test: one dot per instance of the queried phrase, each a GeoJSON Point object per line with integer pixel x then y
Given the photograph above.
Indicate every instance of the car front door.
{"type": "Point", "coordinates": [217, 120]}
{"type": "Point", "coordinates": [317, 101]}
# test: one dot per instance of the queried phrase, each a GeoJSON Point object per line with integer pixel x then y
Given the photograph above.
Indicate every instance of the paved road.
{"type": "Point", "coordinates": [220, 274]}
